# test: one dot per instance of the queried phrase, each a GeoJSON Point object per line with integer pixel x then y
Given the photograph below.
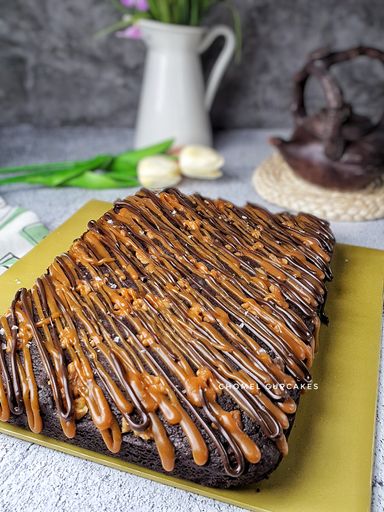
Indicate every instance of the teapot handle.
{"type": "Point", "coordinates": [338, 110]}
{"type": "Point", "coordinates": [222, 60]}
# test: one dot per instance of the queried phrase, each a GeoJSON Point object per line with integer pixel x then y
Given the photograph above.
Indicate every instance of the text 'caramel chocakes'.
{"type": "Point", "coordinates": [176, 333]}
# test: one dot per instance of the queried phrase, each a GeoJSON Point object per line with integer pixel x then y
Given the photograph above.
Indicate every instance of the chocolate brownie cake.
{"type": "Point", "coordinates": [176, 333]}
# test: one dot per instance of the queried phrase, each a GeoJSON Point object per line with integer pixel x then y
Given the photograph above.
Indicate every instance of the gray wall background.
{"type": "Point", "coordinates": [53, 72]}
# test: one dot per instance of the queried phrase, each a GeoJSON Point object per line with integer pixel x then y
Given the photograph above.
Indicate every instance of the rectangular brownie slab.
{"type": "Point", "coordinates": [177, 333]}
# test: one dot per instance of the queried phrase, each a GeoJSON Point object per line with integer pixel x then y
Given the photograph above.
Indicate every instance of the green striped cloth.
{"type": "Point", "coordinates": [20, 230]}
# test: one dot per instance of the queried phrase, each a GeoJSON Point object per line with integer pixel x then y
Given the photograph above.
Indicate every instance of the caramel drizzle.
{"type": "Point", "coordinates": [167, 303]}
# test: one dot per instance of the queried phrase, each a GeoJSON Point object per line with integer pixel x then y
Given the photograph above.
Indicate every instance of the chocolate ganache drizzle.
{"type": "Point", "coordinates": [165, 304]}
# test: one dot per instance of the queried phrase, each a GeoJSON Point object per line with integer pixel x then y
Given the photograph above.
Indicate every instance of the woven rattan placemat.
{"type": "Point", "coordinates": [275, 181]}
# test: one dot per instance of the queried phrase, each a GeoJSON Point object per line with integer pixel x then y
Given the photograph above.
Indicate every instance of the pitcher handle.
{"type": "Point", "coordinates": [222, 60]}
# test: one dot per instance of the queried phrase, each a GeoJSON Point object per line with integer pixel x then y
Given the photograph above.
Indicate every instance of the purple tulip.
{"type": "Point", "coordinates": [128, 3]}
{"type": "Point", "coordinates": [142, 5]}
{"type": "Point", "coordinates": [132, 32]}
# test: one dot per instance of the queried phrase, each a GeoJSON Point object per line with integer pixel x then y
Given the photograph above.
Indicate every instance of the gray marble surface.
{"type": "Point", "coordinates": [50, 481]}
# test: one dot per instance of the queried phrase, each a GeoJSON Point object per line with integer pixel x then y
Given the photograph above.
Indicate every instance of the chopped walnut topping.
{"type": "Point", "coordinates": [124, 426]}
{"type": "Point", "coordinates": [81, 408]}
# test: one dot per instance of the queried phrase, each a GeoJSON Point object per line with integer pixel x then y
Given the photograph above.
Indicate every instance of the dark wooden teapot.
{"type": "Point", "coordinates": [334, 148]}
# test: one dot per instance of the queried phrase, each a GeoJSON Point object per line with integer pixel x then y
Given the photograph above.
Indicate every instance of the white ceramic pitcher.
{"type": "Point", "coordinates": [174, 101]}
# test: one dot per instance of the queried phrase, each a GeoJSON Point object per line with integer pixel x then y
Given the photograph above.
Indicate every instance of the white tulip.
{"type": "Point", "coordinates": [158, 172]}
{"type": "Point", "coordinates": [200, 162]}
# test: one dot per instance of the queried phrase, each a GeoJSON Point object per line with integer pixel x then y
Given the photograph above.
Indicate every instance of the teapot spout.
{"type": "Point", "coordinates": [277, 141]}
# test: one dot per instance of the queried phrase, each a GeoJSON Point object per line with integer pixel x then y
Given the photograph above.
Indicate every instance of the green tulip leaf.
{"type": "Point", "coordinates": [126, 163]}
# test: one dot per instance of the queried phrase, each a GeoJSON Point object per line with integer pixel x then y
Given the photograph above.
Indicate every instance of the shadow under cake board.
{"type": "Point", "coordinates": [329, 465]}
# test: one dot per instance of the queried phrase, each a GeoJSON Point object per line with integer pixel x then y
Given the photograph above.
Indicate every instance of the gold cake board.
{"type": "Point", "coordinates": [275, 181]}
{"type": "Point", "coordinates": [329, 465]}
